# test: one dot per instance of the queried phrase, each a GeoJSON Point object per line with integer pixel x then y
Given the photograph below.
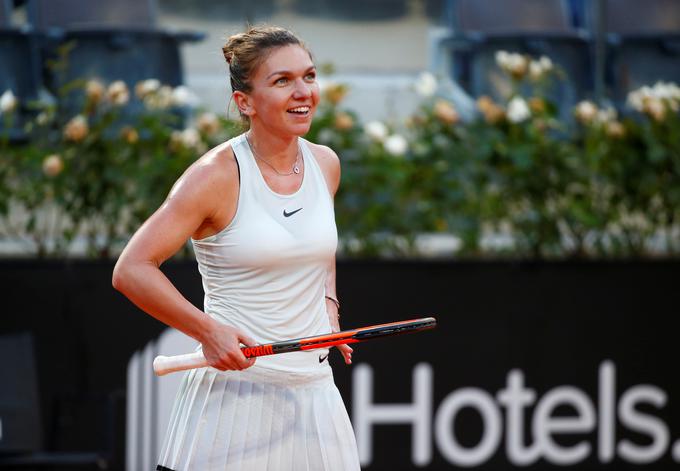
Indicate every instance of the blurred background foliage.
{"type": "Point", "coordinates": [518, 180]}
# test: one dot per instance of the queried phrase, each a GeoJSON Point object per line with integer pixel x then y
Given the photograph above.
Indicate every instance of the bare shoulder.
{"type": "Point", "coordinates": [324, 155]}
{"type": "Point", "coordinates": [209, 177]}
{"type": "Point", "coordinates": [330, 165]}
{"type": "Point", "coordinates": [207, 192]}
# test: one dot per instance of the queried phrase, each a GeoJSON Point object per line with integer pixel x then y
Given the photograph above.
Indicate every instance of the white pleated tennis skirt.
{"type": "Point", "coordinates": [259, 419]}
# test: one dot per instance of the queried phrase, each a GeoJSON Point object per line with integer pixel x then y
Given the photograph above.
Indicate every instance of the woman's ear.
{"type": "Point", "coordinates": [242, 101]}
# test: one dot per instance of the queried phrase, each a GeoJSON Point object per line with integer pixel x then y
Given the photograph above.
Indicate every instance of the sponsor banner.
{"type": "Point", "coordinates": [531, 367]}
{"type": "Point", "coordinates": [538, 366]}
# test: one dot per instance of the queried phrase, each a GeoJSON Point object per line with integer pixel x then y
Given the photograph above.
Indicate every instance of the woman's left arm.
{"type": "Point", "coordinates": [332, 301]}
{"type": "Point", "coordinates": [333, 310]}
{"type": "Point", "coordinates": [330, 165]}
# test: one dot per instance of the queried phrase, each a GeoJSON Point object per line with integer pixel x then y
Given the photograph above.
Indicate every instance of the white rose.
{"type": "Point", "coordinates": [182, 96]}
{"type": "Point", "coordinates": [646, 91]}
{"type": "Point", "coordinates": [502, 58]}
{"type": "Point", "coordinates": [651, 100]}
{"type": "Point", "coordinates": [94, 90]}
{"type": "Point", "coordinates": [396, 145]}
{"type": "Point", "coordinates": [546, 63]}
{"type": "Point", "coordinates": [426, 85]}
{"type": "Point", "coordinates": [535, 70]}
{"type": "Point", "coordinates": [8, 102]}
{"type": "Point", "coordinates": [635, 100]}
{"type": "Point", "coordinates": [513, 63]}
{"type": "Point", "coordinates": [665, 90]}
{"type": "Point", "coordinates": [517, 63]}
{"type": "Point", "coordinates": [334, 92]}
{"type": "Point", "coordinates": [445, 112]}
{"type": "Point", "coordinates": [586, 111]}
{"type": "Point", "coordinates": [118, 93]}
{"type": "Point", "coordinates": [190, 138]}
{"type": "Point", "coordinates": [208, 123]}
{"type": "Point", "coordinates": [675, 90]}
{"type": "Point", "coordinates": [668, 92]}
{"type": "Point", "coordinates": [376, 130]}
{"type": "Point", "coordinates": [145, 87]}
{"type": "Point", "coordinates": [539, 68]}
{"type": "Point", "coordinates": [52, 165]}
{"type": "Point", "coordinates": [160, 99]}
{"type": "Point", "coordinates": [518, 110]}
{"type": "Point", "coordinates": [76, 129]}
{"type": "Point", "coordinates": [655, 108]}
{"type": "Point", "coordinates": [606, 115]}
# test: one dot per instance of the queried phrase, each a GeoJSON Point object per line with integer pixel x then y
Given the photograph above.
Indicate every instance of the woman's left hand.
{"type": "Point", "coordinates": [346, 351]}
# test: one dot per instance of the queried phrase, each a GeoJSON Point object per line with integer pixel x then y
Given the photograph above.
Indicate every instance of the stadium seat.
{"type": "Point", "coordinates": [112, 40]}
{"type": "Point", "coordinates": [104, 14]}
{"type": "Point", "coordinates": [535, 27]}
{"type": "Point", "coordinates": [5, 13]}
{"type": "Point", "coordinates": [19, 67]}
{"type": "Point", "coordinates": [353, 10]}
{"type": "Point", "coordinates": [240, 11]}
{"type": "Point", "coordinates": [643, 44]}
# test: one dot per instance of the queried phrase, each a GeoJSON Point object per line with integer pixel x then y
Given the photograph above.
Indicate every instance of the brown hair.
{"type": "Point", "coordinates": [245, 52]}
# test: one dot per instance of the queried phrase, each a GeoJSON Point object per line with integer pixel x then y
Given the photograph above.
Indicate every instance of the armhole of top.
{"type": "Point", "coordinates": [238, 169]}
{"type": "Point", "coordinates": [308, 147]}
{"type": "Point", "coordinates": [239, 198]}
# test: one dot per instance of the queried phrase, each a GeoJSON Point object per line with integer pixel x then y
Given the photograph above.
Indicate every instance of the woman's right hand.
{"type": "Point", "coordinates": [222, 349]}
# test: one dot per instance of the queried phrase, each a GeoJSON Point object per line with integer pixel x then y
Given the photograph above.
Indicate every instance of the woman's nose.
{"type": "Point", "coordinates": [302, 89]}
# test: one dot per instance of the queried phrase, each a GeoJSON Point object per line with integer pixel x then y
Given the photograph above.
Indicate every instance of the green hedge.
{"type": "Point", "coordinates": [514, 181]}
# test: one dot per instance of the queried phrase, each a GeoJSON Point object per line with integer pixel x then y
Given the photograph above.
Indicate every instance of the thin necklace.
{"type": "Point", "coordinates": [296, 168]}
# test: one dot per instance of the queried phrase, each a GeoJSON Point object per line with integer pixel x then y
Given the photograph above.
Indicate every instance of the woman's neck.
{"type": "Point", "coordinates": [272, 147]}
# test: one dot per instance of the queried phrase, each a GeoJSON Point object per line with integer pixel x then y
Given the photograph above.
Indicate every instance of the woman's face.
{"type": "Point", "coordinates": [284, 91]}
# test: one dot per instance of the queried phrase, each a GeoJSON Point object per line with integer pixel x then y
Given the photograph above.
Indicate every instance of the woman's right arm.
{"type": "Point", "coordinates": [195, 202]}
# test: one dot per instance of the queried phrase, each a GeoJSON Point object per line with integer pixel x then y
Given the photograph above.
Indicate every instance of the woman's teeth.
{"type": "Point", "coordinates": [300, 110]}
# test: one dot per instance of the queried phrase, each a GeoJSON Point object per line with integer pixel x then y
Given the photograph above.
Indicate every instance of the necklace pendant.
{"type": "Point", "coordinates": [296, 169]}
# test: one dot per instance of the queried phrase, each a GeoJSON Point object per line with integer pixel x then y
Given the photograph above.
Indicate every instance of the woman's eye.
{"type": "Point", "coordinates": [281, 81]}
{"type": "Point", "coordinates": [311, 76]}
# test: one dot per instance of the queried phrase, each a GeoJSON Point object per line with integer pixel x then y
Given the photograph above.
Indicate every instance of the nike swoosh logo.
{"type": "Point", "coordinates": [322, 358]}
{"type": "Point", "coordinates": [286, 214]}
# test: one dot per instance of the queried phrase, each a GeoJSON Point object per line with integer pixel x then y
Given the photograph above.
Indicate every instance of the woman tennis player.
{"type": "Point", "coordinates": [259, 211]}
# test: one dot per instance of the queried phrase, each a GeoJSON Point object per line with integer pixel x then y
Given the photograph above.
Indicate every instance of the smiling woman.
{"type": "Point", "coordinates": [259, 211]}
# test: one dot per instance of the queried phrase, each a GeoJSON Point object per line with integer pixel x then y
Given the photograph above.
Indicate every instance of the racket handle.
{"type": "Point", "coordinates": [163, 365]}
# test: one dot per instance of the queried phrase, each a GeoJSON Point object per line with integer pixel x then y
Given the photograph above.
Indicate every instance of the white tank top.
{"type": "Point", "coordinates": [265, 272]}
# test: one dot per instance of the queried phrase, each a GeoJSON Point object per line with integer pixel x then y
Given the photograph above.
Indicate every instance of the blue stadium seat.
{"type": "Point", "coordinates": [353, 10]}
{"type": "Point", "coordinates": [643, 44]}
{"type": "Point", "coordinates": [243, 11]}
{"type": "Point", "coordinates": [87, 14]}
{"type": "Point", "coordinates": [535, 27]}
{"type": "Point", "coordinates": [113, 40]}
{"type": "Point", "coordinates": [5, 13]}
{"type": "Point", "coordinates": [19, 67]}
{"type": "Point", "coordinates": [579, 12]}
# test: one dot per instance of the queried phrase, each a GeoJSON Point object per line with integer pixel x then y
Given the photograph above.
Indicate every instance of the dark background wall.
{"type": "Point", "coordinates": [552, 324]}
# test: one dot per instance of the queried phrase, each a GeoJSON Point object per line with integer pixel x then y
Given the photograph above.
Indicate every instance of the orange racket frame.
{"type": "Point", "coordinates": [163, 364]}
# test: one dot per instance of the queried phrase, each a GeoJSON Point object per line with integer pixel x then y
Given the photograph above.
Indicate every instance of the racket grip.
{"type": "Point", "coordinates": [163, 365]}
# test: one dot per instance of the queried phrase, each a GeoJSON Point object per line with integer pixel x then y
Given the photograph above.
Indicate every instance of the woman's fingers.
{"type": "Point", "coordinates": [346, 351]}
{"type": "Point", "coordinates": [249, 342]}
{"type": "Point", "coordinates": [246, 340]}
{"type": "Point", "coordinates": [225, 353]}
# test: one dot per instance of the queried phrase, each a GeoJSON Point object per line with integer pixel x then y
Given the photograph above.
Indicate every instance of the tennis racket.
{"type": "Point", "coordinates": [163, 364]}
